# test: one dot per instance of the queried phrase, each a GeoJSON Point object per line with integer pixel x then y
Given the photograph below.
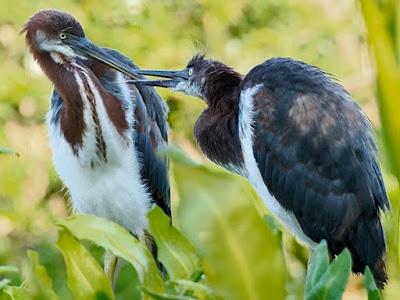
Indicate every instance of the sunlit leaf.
{"type": "Point", "coordinates": [117, 239]}
{"type": "Point", "coordinates": [40, 278]}
{"type": "Point", "coordinates": [86, 278]}
{"type": "Point", "coordinates": [370, 285]}
{"type": "Point", "coordinates": [175, 252]}
{"type": "Point", "coordinates": [241, 255]}
{"type": "Point", "coordinates": [17, 293]}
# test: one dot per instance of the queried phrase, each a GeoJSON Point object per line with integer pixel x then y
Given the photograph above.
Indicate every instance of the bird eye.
{"type": "Point", "coordinates": [190, 72]}
{"type": "Point", "coordinates": [62, 35]}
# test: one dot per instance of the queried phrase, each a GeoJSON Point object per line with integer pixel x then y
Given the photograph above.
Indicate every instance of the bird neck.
{"type": "Point", "coordinates": [217, 131]}
{"type": "Point", "coordinates": [222, 90]}
{"type": "Point", "coordinates": [79, 86]}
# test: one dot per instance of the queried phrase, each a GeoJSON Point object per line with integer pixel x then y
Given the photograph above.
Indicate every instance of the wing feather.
{"type": "Point", "coordinates": [314, 149]}
{"type": "Point", "coordinates": [151, 135]}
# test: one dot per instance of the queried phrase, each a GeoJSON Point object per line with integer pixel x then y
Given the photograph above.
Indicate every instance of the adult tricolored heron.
{"type": "Point", "coordinates": [104, 132]}
{"type": "Point", "coordinates": [302, 142]}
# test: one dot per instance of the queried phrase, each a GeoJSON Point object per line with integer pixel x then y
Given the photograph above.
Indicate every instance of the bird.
{"type": "Point", "coordinates": [301, 141]}
{"type": "Point", "coordinates": [104, 132]}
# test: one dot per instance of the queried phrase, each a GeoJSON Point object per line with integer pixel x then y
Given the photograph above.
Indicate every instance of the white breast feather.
{"type": "Point", "coordinates": [114, 189]}
{"type": "Point", "coordinates": [253, 173]}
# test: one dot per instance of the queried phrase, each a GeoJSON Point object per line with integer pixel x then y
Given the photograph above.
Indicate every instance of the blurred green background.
{"type": "Point", "coordinates": [164, 34]}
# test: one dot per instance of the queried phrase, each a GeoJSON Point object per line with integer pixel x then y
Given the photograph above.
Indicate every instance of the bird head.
{"type": "Point", "coordinates": [56, 35]}
{"type": "Point", "coordinates": [200, 78]}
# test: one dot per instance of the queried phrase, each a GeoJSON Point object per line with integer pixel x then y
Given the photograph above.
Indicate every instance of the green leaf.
{"type": "Point", "coordinates": [6, 150]}
{"type": "Point", "coordinates": [119, 241]}
{"type": "Point", "coordinates": [242, 257]}
{"type": "Point", "coordinates": [86, 278]}
{"type": "Point", "coordinates": [8, 269]}
{"type": "Point", "coordinates": [162, 296]}
{"type": "Point", "coordinates": [370, 285]}
{"type": "Point", "coordinates": [333, 283]}
{"type": "Point", "coordinates": [40, 278]}
{"type": "Point", "coordinates": [4, 283]}
{"type": "Point", "coordinates": [197, 289]}
{"type": "Point", "coordinates": [319, 263]}
{"type": "Point", "coordinates": [17, 293]}
{"type": "Point", "coordinates": [176, 253]}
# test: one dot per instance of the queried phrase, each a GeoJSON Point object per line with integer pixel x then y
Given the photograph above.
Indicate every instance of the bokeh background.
{"type": "Point", "coordinates": [164, 34]}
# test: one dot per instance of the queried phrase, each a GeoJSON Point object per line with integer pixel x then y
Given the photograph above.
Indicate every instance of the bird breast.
{"type": "Point", "coordinates": [103, 173]}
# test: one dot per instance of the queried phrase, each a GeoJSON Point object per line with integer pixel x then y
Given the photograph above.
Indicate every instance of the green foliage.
{"type": "Point", "coordinates": [369, 282]}
{"type": "Point", "coordinates": [219, 246]}
{"type": "Point", "coordinates": [17, 293]}
{"type": "Point", "coordinates": [116, 239]}
{"type": "Point", "coordinates": [382, 20]}
{"type": "Point", "coordinates": [40, 279]}
{"type": "Point", "coordinates": [198, 290]}
{"type": "Point", "coordinates": [383, 24]}
{"type": "Point", "coordinates": [4, 270]}
{"type": "Point", "coordinates": [86, 279]}
{"type": "Point", "coordinates": [327, 281]}
{"type": "Point", "coordinates": [217, 213]}
{"type": "Point", "coordinates": [175, 252]}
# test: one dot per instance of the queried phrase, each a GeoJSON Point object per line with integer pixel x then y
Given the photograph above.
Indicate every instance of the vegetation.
{"type": "Point", "coordinates": [224, 244]}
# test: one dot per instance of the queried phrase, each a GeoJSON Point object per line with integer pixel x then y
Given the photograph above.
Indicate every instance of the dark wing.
{"type": "Point", "coordinates": [151, 135]}
{"type": "Point", "coordinates": [316, 153]}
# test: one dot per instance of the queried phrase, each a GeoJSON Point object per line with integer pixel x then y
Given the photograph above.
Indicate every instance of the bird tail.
{"type": "Point", "coordinates": [366, 242]}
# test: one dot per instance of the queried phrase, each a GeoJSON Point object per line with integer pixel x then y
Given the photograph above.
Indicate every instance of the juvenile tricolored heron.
{"type": "Point", "coordinates": [104, 132]}
{"type": "Point", "coordinates": [302, 142]}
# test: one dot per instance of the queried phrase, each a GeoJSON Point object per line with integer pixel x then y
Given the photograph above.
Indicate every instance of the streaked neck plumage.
{"type": "Point", "coordinates": [78, 83]}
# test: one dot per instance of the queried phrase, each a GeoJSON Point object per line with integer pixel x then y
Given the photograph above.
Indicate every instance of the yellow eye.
{"type": "Point", "coordinates": [190, 72]}
{"type": "Point", "coordinates": [62, 35]}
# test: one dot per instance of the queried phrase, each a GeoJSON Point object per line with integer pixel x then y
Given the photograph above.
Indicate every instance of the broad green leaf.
{"type": "Point", "coordinates": [86, 278]}
{"type": "Point", "coordinates": [370, 285]}
{"type": "Point", "coordinates": [176, 253]}
{"type": "Point", "coordinates": [40, 278]}
{"type": "Point", "coordinates": [6, 150]}
{"type": "Point", "coordinates": [117, 239]}
{"type": "Point", "coordinates": [17, 293]}
{"type": "Point", "coordinates": [333, 283]}
{"type": "Point", "coordinates": [318, 265]}
{"type": "Point", "coordinates": [242, 257]}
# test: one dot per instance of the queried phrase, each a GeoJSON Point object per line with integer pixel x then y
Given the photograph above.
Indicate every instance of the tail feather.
{"type": "Point", "coordinates": [366, 242]}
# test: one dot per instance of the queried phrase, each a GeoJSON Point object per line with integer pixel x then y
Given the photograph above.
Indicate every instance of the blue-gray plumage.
{"type": "Point", "coordinates": [302, 142]}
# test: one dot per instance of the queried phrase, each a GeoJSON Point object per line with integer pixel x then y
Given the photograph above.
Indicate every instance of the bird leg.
{"type": "Point", "coordinates": [110, 263]}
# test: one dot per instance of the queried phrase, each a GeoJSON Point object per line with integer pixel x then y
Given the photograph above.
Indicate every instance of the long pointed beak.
{"type": "Point", "coordinates": [176, 78]}
{"type": "Point", "coordinates": [168, 83]}
{"type": "Point", "coordinates": [86, 48]}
